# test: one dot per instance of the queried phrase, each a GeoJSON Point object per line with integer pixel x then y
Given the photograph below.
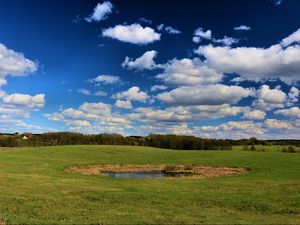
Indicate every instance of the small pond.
{"type": "Point", "coordinates": [149, 174]}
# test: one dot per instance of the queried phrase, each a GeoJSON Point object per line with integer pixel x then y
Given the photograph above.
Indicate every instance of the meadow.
{"type": "Point", "coordinates": [36, 189]}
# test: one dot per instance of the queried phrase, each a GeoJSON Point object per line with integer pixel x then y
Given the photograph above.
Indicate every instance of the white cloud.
{"type": "Point", "coordinates": [293, 96]}
{"type": "Point", "coordinates": [269, 129]}
{"type": "Point", "coordinates": [88, 92]}
{"type": "Point", "coordinates": [144, 20]}
{"type": "Point", "coordinates": [268, 99]}
{"type": "Point", "coordinates": [188, 72]}
{"type": "Point", "coordinates": [91, 118]}
{"type": "Point", "coordinates": [100, 93]}
{"type": "Point", "coordinates": [146, 61]}
{"type": "Point", "coordinates": [226, 41]}
{"type": "Point", "coordinates": [291, 39]}
{"type": "Point", "coordinates": [254, 115]}
{"type": "Point", "coordinates": [79, 123]}
{"type": "Point", "coordinates": [179, 129]}
{"type": "Point", "coordinates": [168, 29]}
{"type": "Point", "coordinates": [96, 108]}
{"type": "Point", "coordinates": [242, 27]}
{"type": "Point", "coordinates": [277, 124]}
{"type": "Point", "coordinates": [123, 104]}
{"type": "Point", "coordinates": [255, 63]}
{"type": "Point", "coordinates": [201, 34]}
{"type": "Point", "coordinates": [172, 30]}
{"type": "Point", "coordinates": [84, 91]}
{"type": "Point", "coordinates": [293, 112]}
{"type": "Point", "coordinates": [2, 93]}
{"type": "Point", "coordinates": [277, 2]}
{"type": "Point", "coordinates": [196, 39]}
{"type": "Point", "coordinates": [106, 79]}
{"type": "Point", "coordinates": [134, 33]}
{"type": "Point", "coordinates": [28, 101]}
{"type": "Point", "coordinates": [101, 11]}
{"type": "Point", "coordinates": [13, 112]}
{"type": "Point", "coordinates": [12, 126]}
{"type": "Point", "coordinates": [205, 95]}
{"type": "Point", "coordinates": [158, 88]}
{"type": "Point", "coordinates": [132, 94]}
{"type": "Point", "coordinates": [14, 64]}
{"type": "Point", "coordinates": [186, 114]}
{"type": "Point", "coordinates": [231, 129]}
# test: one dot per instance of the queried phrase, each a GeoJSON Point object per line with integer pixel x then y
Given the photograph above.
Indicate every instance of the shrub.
{"type": "Point", "coordinates": [245, 148]}
{"type": "Point", "coordinates": [188, 167]}
{"type": "Point", "coordinates": [252, 148]}
{"type": "Point", "coordinates": [290, 149]}
{"type": "Point", "coordinates": [170, 168]}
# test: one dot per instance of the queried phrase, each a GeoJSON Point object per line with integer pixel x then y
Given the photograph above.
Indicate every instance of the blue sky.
{"type": "Point", "coordinates": [218, 69]}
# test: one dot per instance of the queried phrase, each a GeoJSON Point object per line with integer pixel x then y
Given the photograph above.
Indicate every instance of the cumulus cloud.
{"type": "Point", "coordinates": [91, 118]}
{"type": "Point", "coordinates": [13, 125]}
{"type": "Point", "coordinates": [242, 27]}
{"type": "Point", "coordinates": [132, 94]}
{"type": "Point", "coordinates": [96, 108]}
{"type": "Point", "coordinates": [123, 104]}
{"type": "Point", "coordinates": [179, 129]}
{"type": "Point", "coordinates": [184, 114]}
{"type": "Point", "coordinates": [146, 61]}
{"type": "Point", "coordinates": [291, 39]}
{"type": "Point", "coordinates": [88, 92]}
{"type": "Point", "coordinates": [168, 29]}
{"type": "Point", "coordinates": [78, 123]}
{"type": "Point", "coordinates": [268, 129]}
{"type": "Point", "coordinates": [14, 64]}
{"type": "Point", "coordinates": [84, 91]}
{"type": "Point", "coordinates": [231, 129]}
{"type": "Point", "coordinates": [217, 94]}
{"type": "Point", "coordinates": [226, 41]}
{"type": "Point", "coordinates": [172, 30]}
{"type": "Point", "coordinates": [254, 115]}
{"type": "Point", "coordinates": [188, 72]}
{"type": "Point", "coordinates": [144, 20]}
{"type": "Point", "coordinates": [267, 98]}
{"type": "Point", "coordinates": [278, 124]}
{"type": "Point", "coordinates": [200, 34]}
{"type": "Point", "coordinates": [2, 93]}
{"type": "Point", "coordinates": [293, 96]}
{"type": "Point", "coordinates": [256, 64]}
{"type": "Point", "coordinates": [293, 112]}
{"type": "Point", "coordinates": [100, 93]}
{"type": "Point", "coordinates": [105, 79]}
{"type": "Point", "coordinates": [101, 12]}
{"type": "Point", "coordinates": [158, 88]}
{"type": "Point", "coordinates": [36, 101]}
{"type": "Point", "coordinates": [134, 33]}
{"type": "Point", "coordinates": [7, 111]}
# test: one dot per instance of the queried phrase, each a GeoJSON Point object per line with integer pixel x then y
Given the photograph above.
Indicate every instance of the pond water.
{"type": "Point", "coordinates": [149, 174]}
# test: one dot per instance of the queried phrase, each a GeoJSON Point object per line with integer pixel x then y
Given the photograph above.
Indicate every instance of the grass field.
{"type": "Point", "coordinates": [35, 189]}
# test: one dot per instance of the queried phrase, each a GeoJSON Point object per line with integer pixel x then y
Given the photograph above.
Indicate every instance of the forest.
{"type": "Point", "coordinates": [168, 141]}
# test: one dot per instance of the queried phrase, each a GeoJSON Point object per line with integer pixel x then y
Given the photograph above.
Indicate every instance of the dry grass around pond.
{"type": "Point", "coordinates": [193, 171]}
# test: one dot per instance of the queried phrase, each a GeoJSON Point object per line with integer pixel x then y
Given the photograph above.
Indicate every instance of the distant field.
{"type": "Point", "coordinates": [35, 189]}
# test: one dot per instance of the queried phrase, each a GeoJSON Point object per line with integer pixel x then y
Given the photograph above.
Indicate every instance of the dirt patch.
{"type": "Point", "coordinates": [194, 171]}
{"type": "Point", "coordinates": [2, 222]}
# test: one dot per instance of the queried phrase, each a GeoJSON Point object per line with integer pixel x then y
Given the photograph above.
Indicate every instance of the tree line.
{"type": "Point", "coordinates": [168, 141]}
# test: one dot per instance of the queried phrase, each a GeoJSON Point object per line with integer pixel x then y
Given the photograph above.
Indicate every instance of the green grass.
{"type": "Point", "coordinates": [35, 189]}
